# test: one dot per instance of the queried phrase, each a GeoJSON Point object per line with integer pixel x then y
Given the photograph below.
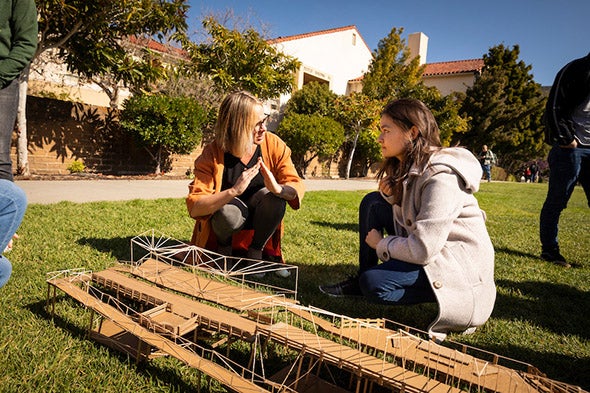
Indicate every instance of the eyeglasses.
{"type": "Point", "coordinates": [261, 122]}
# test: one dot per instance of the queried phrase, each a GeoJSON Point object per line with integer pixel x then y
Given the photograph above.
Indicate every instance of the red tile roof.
{"type": "Point", "coordinates": [454, 67]}
{"type": "Point", "coordinates": [157, 46]}
{"type": "Point", "coordinates": [316, 33]}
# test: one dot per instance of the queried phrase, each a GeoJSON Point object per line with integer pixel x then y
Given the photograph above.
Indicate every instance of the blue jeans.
{"type": "Point", "coordinates": [13, 203]}
{"type": "Point", "coordinates": [487, 170]}
{"type": "Point", "coordinates": [394, 281]}
{"type": "Point", "coordinates": [567, 167]}
{"type": "Point", "coordinates": [8, 108]}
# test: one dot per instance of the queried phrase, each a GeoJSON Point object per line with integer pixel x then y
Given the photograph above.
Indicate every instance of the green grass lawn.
{"type": "Point", "coordinates": [540, 317]}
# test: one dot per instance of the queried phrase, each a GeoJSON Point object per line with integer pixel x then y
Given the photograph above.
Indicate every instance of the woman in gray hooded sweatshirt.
{"type": "Point", "coordinates": [425, 225]}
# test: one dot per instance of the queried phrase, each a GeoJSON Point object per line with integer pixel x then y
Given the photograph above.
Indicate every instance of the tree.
{"type": "Point", "coordinates": [310, 136]}
{"type": "Point", "coordinates": [312, 98]}
{"type": "Point", "coordinates": [164, 125]}
{"type": "Point", "coordinates": [91, 37]}
{"type": "Point", "coordinates": [107, 41]}
{"type": "Point", "coordinates": [237, 60]}
{"type": "Point", "coordinates": [358, 114]}
{"type": "Point", "coordinates": [393, 75]}
{"type": "Point", "coordinates": [505, 107]}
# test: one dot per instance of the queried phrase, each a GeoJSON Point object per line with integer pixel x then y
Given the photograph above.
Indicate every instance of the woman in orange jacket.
{"type": "Point", "coordinates": [243, 182]}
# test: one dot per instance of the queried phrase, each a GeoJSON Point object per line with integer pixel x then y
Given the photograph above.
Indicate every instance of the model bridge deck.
{"type": "Point", "coordinates": [169, 316]}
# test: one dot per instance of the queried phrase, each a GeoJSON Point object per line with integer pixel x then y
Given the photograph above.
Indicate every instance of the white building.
{"type": "Point", "coordinates": [335, 57]}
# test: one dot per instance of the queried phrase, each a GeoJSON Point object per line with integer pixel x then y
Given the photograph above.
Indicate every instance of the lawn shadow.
{"type": "Point", "coordinates": [353, 227]}
{"type": "Point", "coordinates": [515, 253]}
{"type": "Point", "coordinates": [166, 376]}
{"type": "Point", "coordinates": [553, 306]}
{"type": "Point", "coordinates": [118, 247]}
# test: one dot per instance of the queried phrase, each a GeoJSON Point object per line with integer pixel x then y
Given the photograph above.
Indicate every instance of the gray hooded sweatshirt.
{"type": "Point", "coordinates": [440, 226]}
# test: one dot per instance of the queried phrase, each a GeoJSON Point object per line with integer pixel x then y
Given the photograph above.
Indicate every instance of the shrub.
{"type": "Point", "coordinates": [164, 125]}
{"type": "Point", "coordinates": [76, 167]}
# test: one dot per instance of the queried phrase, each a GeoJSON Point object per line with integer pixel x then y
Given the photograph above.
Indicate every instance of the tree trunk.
{"type": "Point", "coordinates": [22, 151]}
{"type": "Point", "coordinates": [352, 149]}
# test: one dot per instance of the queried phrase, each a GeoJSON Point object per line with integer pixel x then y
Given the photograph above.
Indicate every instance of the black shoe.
{"type": "Point", "coordinates": [555, 257]}
{"type": "Point", "coordinates": [348, 287]}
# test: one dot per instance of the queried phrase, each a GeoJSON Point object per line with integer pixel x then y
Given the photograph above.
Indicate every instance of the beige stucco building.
{"type": "Point", "coordinates": [334, 56]}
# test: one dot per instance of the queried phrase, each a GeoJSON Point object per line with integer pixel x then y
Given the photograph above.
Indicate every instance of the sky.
{"type": "Point", "coordinates": [549, 33]}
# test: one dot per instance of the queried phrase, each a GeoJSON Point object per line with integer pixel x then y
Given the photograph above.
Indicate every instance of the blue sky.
{"type": "Point", "coordinates": [549, 33]}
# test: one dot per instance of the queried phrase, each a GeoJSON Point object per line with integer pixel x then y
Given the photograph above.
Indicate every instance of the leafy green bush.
{"type": "Point", "coordinates": [76, 167]}
{"type": "Point", "coordinates": [309, 137]}
{"type": "Point", "coordinates": [164, 125]}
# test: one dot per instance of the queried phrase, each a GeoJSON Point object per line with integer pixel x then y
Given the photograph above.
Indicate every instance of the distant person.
{"type": "Point", "coordinates": [534, 172]}
{"type": "Point", "coordinates": [487, 159]}
{"type": "Point", "coordinates": [243, 181]}
{"type": "Point", "coordinates": [18, 42]}
{"type": "Point", "coordinates": [527, 174]}
{"type": "Point", "coordinates": [567, 129]}
{"type": "Point", "coordinates": [437, 248]}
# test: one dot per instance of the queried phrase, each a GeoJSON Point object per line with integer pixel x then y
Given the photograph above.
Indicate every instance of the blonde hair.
{"type": "Point", "coordinates": [236, 121]}
{"type": "Point", "coordinates": [407, 113]}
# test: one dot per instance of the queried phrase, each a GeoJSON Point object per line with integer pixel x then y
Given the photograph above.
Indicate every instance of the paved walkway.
{"type": "Point", "coordinates": [53, 191]}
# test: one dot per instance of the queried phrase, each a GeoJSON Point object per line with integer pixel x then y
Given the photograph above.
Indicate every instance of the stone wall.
{"type": "Point", "coordinates": [60, 132]}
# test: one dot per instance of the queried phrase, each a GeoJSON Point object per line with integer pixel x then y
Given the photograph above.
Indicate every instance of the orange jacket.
{"type": "Point", "coordinates": [208, 177]}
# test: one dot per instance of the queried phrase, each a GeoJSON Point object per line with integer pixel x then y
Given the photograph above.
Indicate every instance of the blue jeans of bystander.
{"type": "Point", "coordinates": [487, 171]}
{"type": "Point", "coordinates": [13, 203]}
{"type": "Point", "coordinates": [567, 167]}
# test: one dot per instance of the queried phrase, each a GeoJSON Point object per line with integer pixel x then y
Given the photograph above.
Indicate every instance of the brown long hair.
{"type": "Point", "coordinates": [236, 121]}
{"type": "Point", "coordinates": [407, 113]}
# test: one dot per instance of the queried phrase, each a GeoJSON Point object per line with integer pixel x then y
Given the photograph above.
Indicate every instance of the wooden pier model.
{"type": "Point", "coordinates": [178, 300]}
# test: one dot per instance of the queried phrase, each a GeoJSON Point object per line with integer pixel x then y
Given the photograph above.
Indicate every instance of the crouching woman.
{"type": "Point", "coordinates": [425, 225]}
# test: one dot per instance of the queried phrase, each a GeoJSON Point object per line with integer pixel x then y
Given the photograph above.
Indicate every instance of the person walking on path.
{"type": "Point", "coordinates": [567, 130]}
{"type": "Point", "coordinates": [487, 158]}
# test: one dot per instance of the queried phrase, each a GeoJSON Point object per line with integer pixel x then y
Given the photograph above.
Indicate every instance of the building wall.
{"type": "Point", "coordinates": [49, 77]}
{"type": "Point", "coordinates": [60, 132]}
{"type": "Point", "coordinates": [447, 84]}
{"type": "Point", "coordinates": [336, 56]}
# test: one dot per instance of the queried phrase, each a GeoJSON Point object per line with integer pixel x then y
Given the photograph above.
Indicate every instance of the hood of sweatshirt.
{"type": "Point", "coordinates": [459, 160]}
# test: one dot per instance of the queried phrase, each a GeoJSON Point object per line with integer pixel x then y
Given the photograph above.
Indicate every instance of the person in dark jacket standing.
{"type": "Point", "coordinates": [567, 129]}
{"type": "Point", "coordinates": [18, 42]}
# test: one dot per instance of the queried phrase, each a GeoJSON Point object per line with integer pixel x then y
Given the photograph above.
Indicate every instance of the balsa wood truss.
{"type": "Point", "coordinates": [172, 297]}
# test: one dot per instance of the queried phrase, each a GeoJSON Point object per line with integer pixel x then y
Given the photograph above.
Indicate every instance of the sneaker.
{"type": "Point", "coordinates": [555, 257]}
{"type": "Point", "coordinates": [283, 273]}
{"type": "Point", "coordinates": [348, 287]}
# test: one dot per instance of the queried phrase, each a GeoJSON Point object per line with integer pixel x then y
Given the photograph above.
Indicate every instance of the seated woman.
{"type": "Point", "coordinates": [437, 246]}
{"type": "Point", "coordinates": [243, 182]}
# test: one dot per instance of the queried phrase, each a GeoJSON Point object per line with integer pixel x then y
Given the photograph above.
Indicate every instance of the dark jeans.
{"type": "Point", "coordinates": [262, 212]}
{"type": "Point", "coordinates": [8, 108]}
{"type": "Point", "coordinates": [567, 167]}
{"type": "Point", "coordinates": [394, 281]}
